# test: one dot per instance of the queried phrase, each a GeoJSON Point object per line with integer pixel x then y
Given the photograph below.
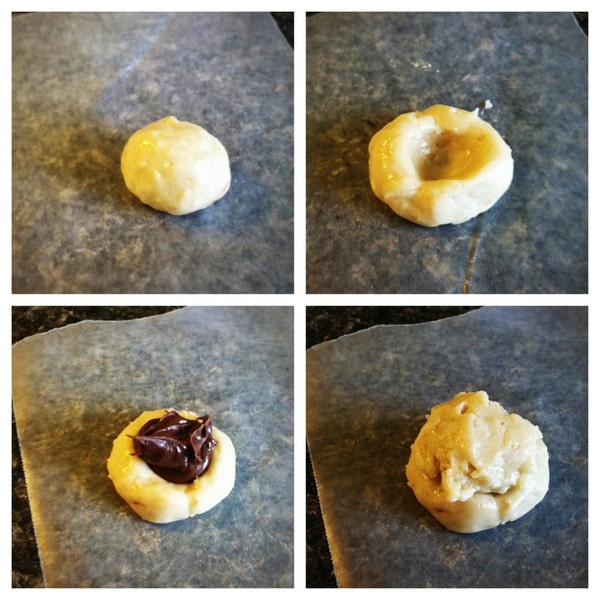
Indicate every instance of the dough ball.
{"type": "Point", "coordinates": [473, 466]}
{"type": "Point", "coordinates": [158, 500]}
{"type": "Point", "coordinates": [439, 166]}
{"type": "Point", "coordinates": [175, 166]}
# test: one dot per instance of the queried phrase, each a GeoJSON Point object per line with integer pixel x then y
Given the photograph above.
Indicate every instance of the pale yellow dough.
{"type": "Point", "coordinates": [439, 166]}
{"type": "Point", "coordinates": [175, 166]}
{"type": "Point", "coordinates": [474, 466]}
{"type": "Point", "coordinates": [157, 500]}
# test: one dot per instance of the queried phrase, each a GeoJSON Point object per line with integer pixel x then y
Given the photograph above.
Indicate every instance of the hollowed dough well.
{"type": "Point", "coordinates": [439, 166]}
{"type": "Point", "coordinates": [474, 466]}
{"type": "Point", "coordinates": [158, 500]}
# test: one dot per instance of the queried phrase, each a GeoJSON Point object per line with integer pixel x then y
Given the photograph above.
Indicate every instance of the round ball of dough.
{"type": "Point", "coordinates": [158, 500]}
{"type": "Point", "coordinates": [175, 166]}
{"type": "Point", "coordinates": [473, 466]}
{"type": "Point", "coordinates": [439, 166]}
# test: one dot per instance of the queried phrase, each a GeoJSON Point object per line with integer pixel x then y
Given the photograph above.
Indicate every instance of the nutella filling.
{"type": "Point", "coordinates": [175, 448]}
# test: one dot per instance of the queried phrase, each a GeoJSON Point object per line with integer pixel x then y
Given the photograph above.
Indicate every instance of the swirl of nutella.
{"type": "Point", "coordinates": [175, 448]}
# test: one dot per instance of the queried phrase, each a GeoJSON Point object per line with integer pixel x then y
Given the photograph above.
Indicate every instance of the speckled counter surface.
{"type": "Point", "coordinates": [367, 396]}
{"type": "Point", "coordinates": [376, 66]}
{"type": "Point", "coordinates": [82, 84]}
{"type": "Point", "coordinates": [327, 323]}
{"type": "Point", "coordinates": [87, 381]}
{"type": "Point", "coordinates": [28, 321]}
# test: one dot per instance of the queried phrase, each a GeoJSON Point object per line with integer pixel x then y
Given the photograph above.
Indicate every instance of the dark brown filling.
{"type": "Point", "coordinates": [175, 448]}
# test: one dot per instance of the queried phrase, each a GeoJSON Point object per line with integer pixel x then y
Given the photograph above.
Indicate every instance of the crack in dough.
{"type": "Point", "coordinates": [475, 466]}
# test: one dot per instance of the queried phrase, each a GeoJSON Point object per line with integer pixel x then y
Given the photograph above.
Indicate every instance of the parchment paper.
{"type": "Point", "coordinates": [363, 70]}
{"type": "Point", "coordinates": [367, 398]}
{"type": "Point", "coordinates": [82, 84]}
{"type": "Point", "coordinates": [77, 387]}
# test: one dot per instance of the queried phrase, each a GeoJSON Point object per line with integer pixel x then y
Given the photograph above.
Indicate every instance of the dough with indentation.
{"type": "Point", "coordinates": [158, 500]}
{"type": "Point", "coordinates": [175, 166]}
{"type": "Point", "coordinates": [474, 466]}
{"type": "Point", "coordinates": [439, 166]}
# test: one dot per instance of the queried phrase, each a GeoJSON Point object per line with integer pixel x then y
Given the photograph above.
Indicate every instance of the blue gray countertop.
{"type": "Point", "coordinates": [364, 69]}
{"type": "Point", "coordinates": [82, 84]}
{"type": "Point", "coordinates": [84, 382]}
{"type": "Point", "coordinates": [28, 321]}
{"type": "Point", "coordinates": [367, 396]}
{"type": "Point", "coordinates": [325, 324]}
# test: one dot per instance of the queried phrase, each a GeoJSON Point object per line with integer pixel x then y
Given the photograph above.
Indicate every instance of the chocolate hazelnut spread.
{"type": "Point", "coordinates": [175, 448]}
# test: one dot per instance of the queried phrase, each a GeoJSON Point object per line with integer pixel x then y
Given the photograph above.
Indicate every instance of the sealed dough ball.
{"type": "Point", "coordinates": [157, 500]}
{"type": "Point", "coordinates": [474, 466]}
{"type": "Point", "coordinates": [439, 166]}
{"type": "Point", "coordinates": [175, 166]}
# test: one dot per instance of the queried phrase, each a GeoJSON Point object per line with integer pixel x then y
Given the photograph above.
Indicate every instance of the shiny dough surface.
{"type": "Point", "coordinates": [442, 165]}
{"type": "Point", "coordinates": [175, 166]}
{"type": "Point", "coordinates": [475, 466]}
{"type": "Point", "coordinates": [157, 500]}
